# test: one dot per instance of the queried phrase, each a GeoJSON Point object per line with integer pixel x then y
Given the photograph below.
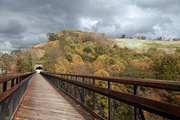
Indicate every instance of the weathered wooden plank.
{"type": "Point", "coordinates": [43, 102]}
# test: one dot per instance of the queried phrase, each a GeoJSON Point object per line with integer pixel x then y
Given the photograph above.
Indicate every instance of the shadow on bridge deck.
{"type": "Point", "coordinates": [45, 101]}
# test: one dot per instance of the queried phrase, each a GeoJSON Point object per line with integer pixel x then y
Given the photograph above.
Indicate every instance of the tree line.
{"type": "Point", "coordinates": [18, 61]}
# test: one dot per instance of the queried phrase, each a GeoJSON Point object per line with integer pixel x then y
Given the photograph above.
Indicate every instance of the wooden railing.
{"type": "Point", "coordinates": [76, 85]}
{"type": "Point", "coordinates": [12, 89]}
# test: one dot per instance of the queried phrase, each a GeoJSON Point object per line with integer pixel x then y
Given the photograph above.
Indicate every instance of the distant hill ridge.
{"type": "Point", "coordinates": [136, 44]}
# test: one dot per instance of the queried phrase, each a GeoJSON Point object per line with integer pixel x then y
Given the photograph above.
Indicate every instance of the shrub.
{"type": "Point", "coordinates": [68, 57]}
{"type": "Point", "coordinates": [87, 50]}
{"type": "Point", "coordinates": [100, 50]}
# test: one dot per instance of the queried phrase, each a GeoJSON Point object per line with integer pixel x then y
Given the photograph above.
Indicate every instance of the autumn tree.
{"type": "Point", "coordinates": [67, 49]}
{"type": "Point", "coordinates": [100, 49]}
{"type": "Point", "coordinates": [143, 37]}
{"type": "Point", "coordinates": [123, 36]}
{"type": "Point", "coordinates": [69, 40]}
{"type": "Point", "coordinates": [23, 66]}
{"type": "Point", "coordinates": [100, 39]}
{"type": "Point", "coordinates": [102, 72]}
{"type": "Point", "coordinates": [78, 65]}
{"type": "Point", "coordinates": [52, 36]}
{"type": "Point", "coordinates": [167, 67]}
{"type": "Point", "coordinates": [116, 68]}
{"type": "Point", "coordinates": [99, 63]}
{"type": "Point", "coordinates": [89, 37]}
{"type": "Point", "coordinates": [139, 63]}
{"type": "Point", "coordinates": [6, 62]}
{"type": "Point", "coordinates": [159, 38]}
{"type": "Point", "coordinates": [62, 66]}
{"type": "Point", "coordinates": [52, 52]}
{"type": "Point", "coordinates": [16, 53]}
{"type": "Point", "coordinates": [87, 50]}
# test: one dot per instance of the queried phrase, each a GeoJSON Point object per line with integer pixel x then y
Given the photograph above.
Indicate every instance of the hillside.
{"type": "Point", "coordinates": [135, 44]}
{"type": "Point", "coordinates": [42, 45]}
{"type": "Point", "coordinates": [74, 51]}
{"type": "Point", "coordinates": [38, 50]}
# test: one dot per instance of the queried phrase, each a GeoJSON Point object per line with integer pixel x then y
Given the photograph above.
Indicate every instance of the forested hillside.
{"type": "Point", "coordinates": [73, 51]}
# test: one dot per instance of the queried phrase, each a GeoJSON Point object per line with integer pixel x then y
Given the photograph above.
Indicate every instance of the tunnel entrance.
{"type": "Point", "coordinates": [39, 69]}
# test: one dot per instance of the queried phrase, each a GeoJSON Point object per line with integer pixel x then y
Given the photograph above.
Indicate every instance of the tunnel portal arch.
{"type": "Point", "coordinates": [38, 68]}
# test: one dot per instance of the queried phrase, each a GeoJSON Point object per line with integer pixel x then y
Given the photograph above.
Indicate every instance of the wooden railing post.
{"type": "Point", "coordinates": [76, 89]}
{"type": "Point", "coordinates": [4, 86]}
{"type": "Point", "coordinates": [12, 83]}
{"type": "Point", "coordinates": [84, 91]}
{"type": "Point", "coordinates": [67, 84]}
{"type": "Point", "coordinates": [71, 86]}
{"type": "Point", "coordinates": [94, 101]}
{"type": "Point", "coordinates": [17, 80]}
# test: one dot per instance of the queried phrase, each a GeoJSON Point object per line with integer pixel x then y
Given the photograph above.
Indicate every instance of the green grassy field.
{"type": "Point", "coordinates": [138, 45]}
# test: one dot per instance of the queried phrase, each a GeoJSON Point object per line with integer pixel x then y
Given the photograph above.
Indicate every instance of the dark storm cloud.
{"type": "Point", "coordinates": [11, 27]}
{"type": "Point", "coordinates": [26, 22]}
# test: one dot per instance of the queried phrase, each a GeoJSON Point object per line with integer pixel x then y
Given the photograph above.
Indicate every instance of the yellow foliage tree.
{"type": "Point", "coordinates": [77, 59]}
{"type": "Point", "coordinates": [62, 66]}
{"type": "Point", "coordinates": [117, 67]}
{"type": "Point", "coordinates": [81, 36]}
{"type": "Point", "coordinates": [78, 65]}
{"type": "Point", "coordinates": [69, 40]}
{"type": "Point", "coordinates": [99, 63]}
{"type": "Point", "coordinates": [102, 72]}
{"type": "Point", "coordinates": [67, 49]}
{"type": "Point", "coordinates": [51, 54]}
{"type": "Point", "coordinates": [116, 57]}
{"type": "Point", "coordinates": [141, 64]}
{"type": "Point", "coordinates": [52, 45]}
{"type": "Point", "coordinates": [101, 83]}
{"type": "Point", "coordinates": [60, 34]}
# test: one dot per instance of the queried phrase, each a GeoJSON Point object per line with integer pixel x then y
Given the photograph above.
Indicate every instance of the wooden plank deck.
{"type": "Point", "coordinates": [43, 102]}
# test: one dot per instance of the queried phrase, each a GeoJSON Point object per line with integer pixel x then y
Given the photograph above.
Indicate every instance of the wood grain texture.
{"type": "Point", "coordinates": [43, 102]}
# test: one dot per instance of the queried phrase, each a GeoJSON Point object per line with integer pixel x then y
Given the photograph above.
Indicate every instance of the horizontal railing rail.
{"type": "Point", "coordinates": [5, 78]}
{"type": "Point", "coordinates": [161, 84]}
{"type": "Point", "coordinates": [12, 89]}
{"type": "Point", "coordinates": [140, 104]}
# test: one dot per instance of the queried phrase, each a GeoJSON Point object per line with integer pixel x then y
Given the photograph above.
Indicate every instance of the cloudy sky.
{"type": "Point", "coordinates": [26, 22]}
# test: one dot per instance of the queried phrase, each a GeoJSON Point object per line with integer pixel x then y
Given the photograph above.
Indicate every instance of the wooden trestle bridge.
{"type": "Point", "coordinates": [53, 96]}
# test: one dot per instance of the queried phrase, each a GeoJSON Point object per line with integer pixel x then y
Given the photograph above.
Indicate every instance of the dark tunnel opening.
{"type": "Point", "coordinates": [39, 68]}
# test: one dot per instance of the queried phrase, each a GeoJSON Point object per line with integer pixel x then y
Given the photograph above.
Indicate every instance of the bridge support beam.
{"type": "Point", "coordinates": [138, 114]}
